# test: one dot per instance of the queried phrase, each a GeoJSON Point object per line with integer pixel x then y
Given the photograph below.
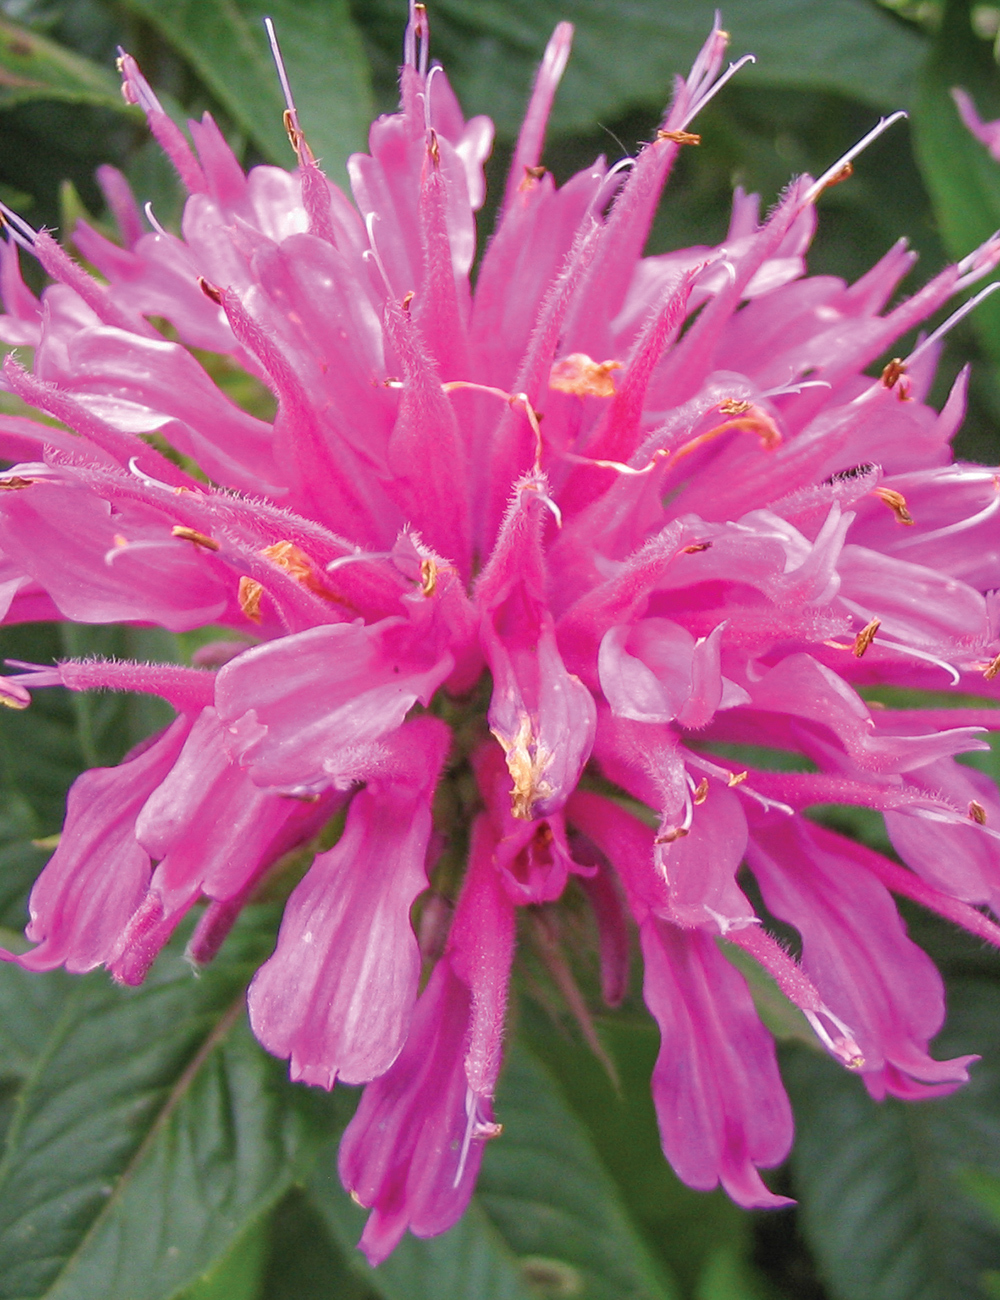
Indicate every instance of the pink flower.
{"type": "Point", "coordinates": [987, 133]}
{"type": "Point", "coordinates": [651, 507]}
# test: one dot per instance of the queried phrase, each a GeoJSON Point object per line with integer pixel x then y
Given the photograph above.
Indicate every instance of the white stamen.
{"type": "Point", "coordinates": [952, 320]}
{"type": "Point", "coordinates": [795, 387]}
{"type": "Point", "coordinates": [886, 641]}
{"type": "Point", "coordinates": [279, 63]}
{"type": "Point", "coordinates": [845, 1048]}
{"type": "Point", "coordinates": [960, 527]}
{"type": "Point", "coordinates": [353, 559]}
{"type": "Point", "coordinates": [881, 126]}
{"type": "Point", "coordinates": [470, 1123]}
{"type": "Point", "coordinates": [709, 95]}
{"type": "Point", "coordinates": [146, 479]}
{"type": "Point", "coordinates": [427, 95]}
{"type": "Point", "coordinates": [151, 218]}
{"type": "Point", "coordinates": [372, 253]}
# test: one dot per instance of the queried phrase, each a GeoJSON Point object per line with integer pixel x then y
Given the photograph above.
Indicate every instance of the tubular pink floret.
{"type": "Point", "coordinates": [136, 90]}
{"type": "Point", "coordinates": [528, 151]}
{"type": "Point", "coordinates": [799, 988]}
{"type": "Point", "coordinates": [187, 689]}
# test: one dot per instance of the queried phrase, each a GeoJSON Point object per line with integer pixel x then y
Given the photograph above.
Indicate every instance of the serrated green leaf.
{"type": "Point", "coordinates": [628, 55]}
{"type": "Point", "coordinates": [546, 1218]}
{"type": "Point", "coordinates": [882, 1204]}
{"type": "Point", "coordinates": [224, 40]}
{"type": "Point", "coordinates": [34, 67]}
{"type": "Point", "coordinates": [150, 1131]}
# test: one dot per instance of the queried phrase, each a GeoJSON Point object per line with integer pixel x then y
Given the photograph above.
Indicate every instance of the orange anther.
{"type": "Point", "coordinates": [192, 535]}
{"type": "Point", "coordinates": [865, 637]}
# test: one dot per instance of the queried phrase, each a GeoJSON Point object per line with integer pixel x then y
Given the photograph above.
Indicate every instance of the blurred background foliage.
{"type": "Point", "coordinates": [153, 1151]}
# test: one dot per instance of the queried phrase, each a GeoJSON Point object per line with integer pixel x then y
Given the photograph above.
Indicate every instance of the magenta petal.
{"type": "Point", "coordinates": [856, 951]}
{"type": "Point", "coordinates": [718, 1094]}
{"type": "Point", "coordinates": [98, 876]}
{"type": "Point", "coordinates": [337, 994]}
{"type": "Point", "coordinates": [303, 712]}
{"type": "Point", "coordinates": [543, 716]}
{"type": "Point", "coordinates": [413, 1149]}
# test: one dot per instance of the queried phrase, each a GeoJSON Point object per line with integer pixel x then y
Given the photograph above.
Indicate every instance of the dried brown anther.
{"type": "Point", "coordinates": [192, 535]}
{"type": "Point", "coordinates": [977, 812]}
{"type": "Point", "coordinates": [15, 483]}
{"type": "Point", "coordinates": [893, 372]}
{"type": "Point", "coordinates": [865, 637]}
{"type": "Point", "coordinates": [428, 577]}
{"type": "Point", "coordinates": [405, 304]}
{"type": "Point", "coordinates": [734, 406]}
{"type": "Point", "coordinates": [992, 669]}
{"type": "Point", "coordinates": [845, 173]}
{"type": "Point", "coordinates": [679, 137]}
{"type": "Point", "coordinates": [249, 596]}
{"type": "Point", "coordinates": [695, 547]}
{"type": "Point", "coordinates": [701, 791]}
{"type": "Point", "coordinates": [896, 503]}
{"type": "Point", "coordinates": [211, 291]}
{"type": "Point", "coordinates": [671, 834]}
{"type": "Point", "coordinates": [737, 778]}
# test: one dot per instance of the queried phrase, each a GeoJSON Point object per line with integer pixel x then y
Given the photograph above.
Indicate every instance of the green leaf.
{"type": "Point", "coordinates": [882, 1201]}
{"type": "Point", "coordinates": [683, 1227]}
{"type": "Point", "coordinates": [44, 748]}
{"type": "Point", "coordinates": [239, 1275]}
{"type": "Point", "coordinates": [546, 1218]}
{"type": "Point", "coordinates": [304, 1262]}
{"type": "Point", "coordinates": [961, 176]}
{"type": "Point", "coordinates": [40, 752]}
{"type": "Point", "coordinates": [544, 1186]}
{"type": "Point", "coordinates": [728, 1276]}
{"type": "Point", "coordinates": [110, 723]}
{"type": "Point", "coordinates": [33, 67]}
{"type": "Point", "coordinates": [150, 1132]}
{"type": "Point", "coordinates": [628, 55]}
{"type": "Point", "coordinates": [225, 42]}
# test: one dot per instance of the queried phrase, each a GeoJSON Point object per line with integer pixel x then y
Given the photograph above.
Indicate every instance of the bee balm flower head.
{"type": "Point", "coordinates": [548, 545]}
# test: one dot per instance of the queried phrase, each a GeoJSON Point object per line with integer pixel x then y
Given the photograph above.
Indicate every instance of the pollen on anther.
{"type": "Point", "coordinates": [896, 503]}
{"type": "Point", "coordinates": [865, 637]}
{"type": "Point", "coordinates": [679, 137]}
{"type": "Point", "coordinates": [249, 595]}
{"type": "Point", "coordinates": [428, 577]}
